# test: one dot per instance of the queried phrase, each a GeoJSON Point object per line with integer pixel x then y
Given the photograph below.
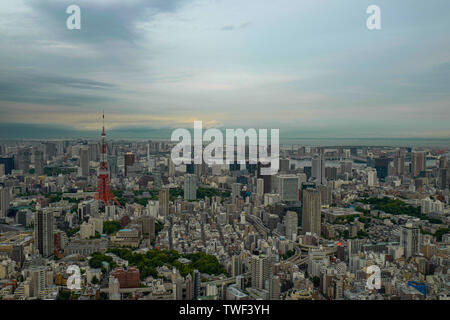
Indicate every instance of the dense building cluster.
{"type": "Point", "coordinates": [312, 231]}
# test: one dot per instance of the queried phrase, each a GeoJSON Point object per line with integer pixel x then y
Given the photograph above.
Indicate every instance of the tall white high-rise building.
{"type": "Point", "coordinates": [260, 188]}
{"type": "Point", "coordinates": [38, 282]}
{"type": "Point", "coordinates": [260, 270]}
{"type": "Point", "coordinates": [114, 288]}
{"type": "Point", "coordinates": [291, 225]}
{"type": "Point", "coordinates": [410, 240]}
{"type": "Point", "coordinates": [371, 177]}
{"type": "Point", "coordinates": [318, 169]}
{"type": "Point", "coordinates": [171, 168]}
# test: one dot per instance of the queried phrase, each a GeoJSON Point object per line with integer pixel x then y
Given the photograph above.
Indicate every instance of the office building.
{"type": "Point", "coordinates": [382, 167]}
{"type": "Point", "coordinates": [23, 160]}
{"type": "Point", "coordinates": [274, 288]}
{"type": "Point", "coordinates": [288, 186]}
{"type": "Point", "coordinates": [4, 202]}
{"type": "Point", "coordinates": [260, 270]}
{"type": "Point", "coordinates": [418, 162]}
{"type": "Point", "coordinates": [8, 163]}
{"type": "Point", "coordinates": [43, 232]}
{"type": "Point", "coordinates": [84, 161]}
{"type": "Point", "coordinates": [236, 265]}
{"type": "Point", "coordinates": [318, 169]}
{"type": "Point", "coordinates": [311, 211]}
{"type": "Point", "coordinates": [410, 240]}
{"type": "Point", "coordinates": [196, 284]}
{"type": "Point", "coordinates": [291, 225]}
{"type": "Point", "coordinates": [164, 195]}
{"type": "Point", "coordinates": [148, 227]}
{"type": "Point", "coordinates": [38, 162]}
{"type": "Point", "coordinates": [190, 187]}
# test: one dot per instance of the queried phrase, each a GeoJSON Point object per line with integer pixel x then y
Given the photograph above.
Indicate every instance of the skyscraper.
{"type": "Point", "coordinates": [274, 288]}
{"type": "Point", "coordinates": [410, 240]}
{"type": "Point", "coordinates": [157, 178]}
{"type": "Point", "coordinates": [284, 165]}
{"type": "Point", "coordinates": [189, 288]}
{"type": "Point", "coordinates": [197, 284]}
{"type": "Point", "coordinates": [443, 173]}
{"type": "Point", "coordinates": [171, 168]}
{"type": "Point", "coordinates": [382, 167]}
{"type": "Point", "coordinates": [260, 270]}
{"type": "Point", "coordinates": [8, 163]}
{"type": "Point", "coordinates": [4, 202]}
{"type": "Point", "coordinates": [148, 227]}
{"type": "Point", "coordinates": [190, 187]}
{"type": "Point", "coordinates": [326, 194]}
{"type": "Point", "coordinates": [260, 188]}
{"type": "Point", "coordinates": [38, 282]}
{"type": "Point", "coordinates": [38, 162]}
{"type": "Point", "coordinates": [399, 163]}
{"type": "Point", "coordinates": [371, 177]}
{"type": "Point", "coordinates": [418, 162]}
{"type": "Point", "coordinates": [128, 161]}
{"type": "Point", "coordinates": [311, 211]}
{"type": "Point", "coordinates": [84, 161]}
{"type": "Point", "coordinates": [23, 160]}
{"type": "Point", "coordinates": [288, 187]}
{"type": "Point", "coordinates": [236, 265]}
{"type": "Point", "coordinates": [318, 169]}
{"type": "Point", "coordinates": [112, 164]}
{"type": "Point", "coordinates": [164, 195]}
{"type": "Point", "coordinates": [266, 178]}
{"type": "Point", "coordinates": [43, 232]}
{"type": "Point", "coordinates": [291, 224]}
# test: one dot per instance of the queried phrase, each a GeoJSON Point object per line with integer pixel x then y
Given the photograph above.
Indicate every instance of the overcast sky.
{"type": "Point", "coordinates": [308, 67]}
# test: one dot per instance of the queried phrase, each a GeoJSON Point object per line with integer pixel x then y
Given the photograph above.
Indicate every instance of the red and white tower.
{"type": "Point", "coordinates": [104, 192]}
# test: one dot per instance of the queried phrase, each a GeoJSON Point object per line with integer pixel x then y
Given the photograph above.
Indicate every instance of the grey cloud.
{"type": "Point", "coordinates": [29, 86]}
{"type": "Point", "coordinates": [102, 21]}
{"type": "Point", "coordinates": [227, 28]}
{"type": "Point", "coordinates": [245, 25]}
{"type": "Point", "coordinates": [107, 31]}
{"type": "Point", "coordinates": [231, 27]}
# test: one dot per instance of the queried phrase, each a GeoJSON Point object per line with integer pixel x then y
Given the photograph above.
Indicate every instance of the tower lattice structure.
{"type": "Point", "coordinates": [104, 192]}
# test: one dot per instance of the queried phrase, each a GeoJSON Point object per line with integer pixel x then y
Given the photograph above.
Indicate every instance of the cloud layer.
{"type": "Point", "coordinates": [310, 67]}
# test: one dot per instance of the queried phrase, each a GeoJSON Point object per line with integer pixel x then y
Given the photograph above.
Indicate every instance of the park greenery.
{"type": "Point", "coordinates": [288, 254]}
{"type": "Point", "coordinates": [71, 231]}
{"type": "Point", "coordinates": [439, 233]}
{"type": "Point", "coordinates": [397, 207]}
{"type": "Point", "coordinates": [110, 227]}
{"type": "Point", "coordinates": [97, 260]}
{"type": "Point", "coordinates": [149, 261]}
{"type": "Point", "coordinates": [56, 171]}
{"type": "Point", "coordinates": [346, 219]}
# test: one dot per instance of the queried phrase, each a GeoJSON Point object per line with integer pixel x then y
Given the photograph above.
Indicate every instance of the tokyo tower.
{"type": "Point", "coordinates": [104, 192]}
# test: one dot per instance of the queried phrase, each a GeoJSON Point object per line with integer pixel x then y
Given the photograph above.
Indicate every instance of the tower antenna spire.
{"type": "Point", "coordinates": [104, 192]}
{"type": "Point", "coordinates": [103, 122]}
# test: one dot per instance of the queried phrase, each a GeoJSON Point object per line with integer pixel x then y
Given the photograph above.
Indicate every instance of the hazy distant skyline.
{"type": "Point", "coordinates": [310, 68]}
